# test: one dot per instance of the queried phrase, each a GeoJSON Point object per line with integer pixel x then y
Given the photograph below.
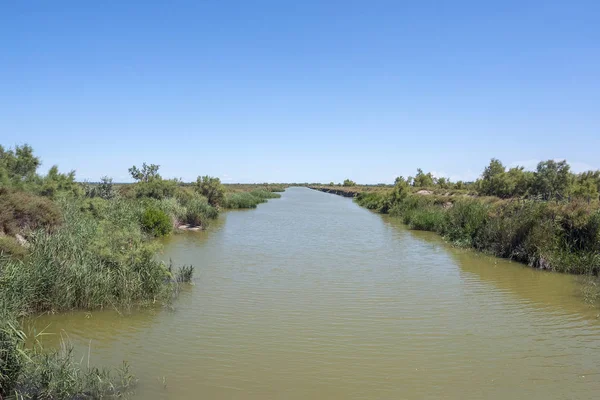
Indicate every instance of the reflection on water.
{"type": "Point", "coordinates": [311, 296]}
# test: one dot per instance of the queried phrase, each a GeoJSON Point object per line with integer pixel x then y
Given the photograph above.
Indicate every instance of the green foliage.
{"type": "Point", "coordinates": [37, 373]}
{"type": "Point", "coordinates": [496, 181]}
{"type": "Point", "coordinates": [185, 274]}
{"type": "Point", "coordinates": [156, 189]}
{"type": "Point", "coordinates": [104, 190]}
{"type": "Point", "coordinates": [22, 212]}
{"type": "Point", "coordinates": [86, 263]}
{"type": "Point", "coordinates": [150, 184]}
{"type": "Point", "coordinates": [199, 212]}
{"type": "Point", "coordinates": [563, 237]}
{"type": "Point", "coordinates": [587, 185]}
{"type": "Point", "coordinates": [146, 174]}
{"type": "Point", "coordinates": [212, 189]}
{"type": "Point", "coordinates": [377, 201]}
{"type": "Point", "coordinates": [348, 182]}
{"type": "Point", "coordinates": [239, 200]}
{"type": "Point", "coordinates": [9, 246]}
{"type": "Point", "coordinates": [464, 221]}
{"type": "Point", "coordinates": [156, 222]}
{"type": "Point", "coordinates": [422, 179]}
{"type": "Point", "coordinates": [443, 183]}
{"type": "Point", "coordinates": [17, 166]}
{"type": "Point", "coordinates": [551, 180]}
{"type": "Point", "coordinates": [55, 182]}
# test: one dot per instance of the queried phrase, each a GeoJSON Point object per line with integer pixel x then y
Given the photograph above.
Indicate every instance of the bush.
{"type": "Point", "coordinates": [377, 201]}
{"type": "Point", "coordinates": [156, 222]}
{"type": "Point", "coordinates": [464, 221]}
{"type": "Point", "coordinates": [427, 219]}
{"type": "Point", "coordinates": [21, 211]}
{"type": "Point", "coordinates": [199, 212]}
{"type": "Point", "coordinates": [212, 189]}
{"type": "Point", "coordinates": [156, 189]}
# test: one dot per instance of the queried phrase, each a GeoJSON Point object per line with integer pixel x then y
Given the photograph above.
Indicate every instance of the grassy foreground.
{"type": "Point", "coordinates": [66, 245]}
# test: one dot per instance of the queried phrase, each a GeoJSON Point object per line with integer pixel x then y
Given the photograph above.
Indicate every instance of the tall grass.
{"type": "Point", "coordinates": [32, 372]}
{"type": "Point", "coordinates": [238, 200]}
{"type": "Point", "coordinates": [87, 263]}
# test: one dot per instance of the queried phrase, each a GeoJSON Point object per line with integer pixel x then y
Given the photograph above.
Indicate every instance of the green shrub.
{"type": "Point", "coordinates": [156, 222]}
{"type": "Point", "coordinates": [21, 211]}
{"type": "Point", "coordinates": [464, 221]}
{"type": "Point", "coordinates": [212, 189]}
{"type": "Point", "coordinates": [377, 201]}
{"type": "Point", "coordinates": [199, 212]}
{"type": "Point", "coordinates": [427, 219]}
{"type": "Point", "coordinates": [156, 189]}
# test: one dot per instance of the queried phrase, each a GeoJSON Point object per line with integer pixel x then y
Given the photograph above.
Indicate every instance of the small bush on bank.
{"type": "Point", "coordinates": [199, 212]}
{"type": "Point", "coordinates": [22, 211]}
{"type": "Point", "coordinates": [156, 222]}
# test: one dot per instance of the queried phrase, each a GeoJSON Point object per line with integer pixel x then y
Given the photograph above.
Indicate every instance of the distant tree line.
{"type": "Point", "coordinates": [551, 180]}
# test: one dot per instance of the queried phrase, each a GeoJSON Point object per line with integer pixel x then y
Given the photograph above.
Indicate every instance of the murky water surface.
{"type": "Point", "coordinates": [313, 297]}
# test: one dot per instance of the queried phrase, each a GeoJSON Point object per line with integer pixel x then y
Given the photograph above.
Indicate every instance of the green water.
{"type": "Point", "coordinates": [312, 297]}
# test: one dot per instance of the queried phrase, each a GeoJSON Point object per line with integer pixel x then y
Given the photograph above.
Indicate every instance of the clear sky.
{"type": "Point", "coordinates": [312, 90]}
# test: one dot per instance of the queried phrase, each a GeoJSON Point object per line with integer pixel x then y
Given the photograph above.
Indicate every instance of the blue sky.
{"type": "Point", "coordinates": [255, 91]}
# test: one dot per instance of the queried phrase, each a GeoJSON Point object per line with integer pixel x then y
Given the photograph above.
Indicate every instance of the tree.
{"type": "Point", "coordinates": [55, 182]}
{"type": "Point", "coordinates": [518, 181]}
{"type": "Point", "coordinates": [587, 185]}
{"type": "Point", "coordinates": [105, 188]}
{"type": "Point", "coordinates": [551, 179]}
{"type": "Point", "coordinates": [443, 183]}
{"type": "Point", "coordinates": [150, 183]}
{"type": "Point", "coordinates": [18, 165]}
{"type": "Point", "coordinates": [423, 179]}
{"type": "Point", "coordinates": [348, 182]}
{"type": "Point", "coordinates": [212, 189]}
{"type": "Point", "coordinates": [493, 182]}
{"type": "Point", "coordinates": [146, 174]}
{"type": "Point", "coordinates": [400, 191]}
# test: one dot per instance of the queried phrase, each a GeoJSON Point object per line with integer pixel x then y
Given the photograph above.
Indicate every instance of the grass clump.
{"type": "Point", "coordinates": [240, 200]}
{"type": "Point", "coordinates": [10, 247]}
{"type": "Point", "coordinates": [185, 274]}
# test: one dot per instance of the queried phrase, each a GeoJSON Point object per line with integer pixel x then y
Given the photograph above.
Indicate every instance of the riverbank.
{"type": "Point", "coordinates": [561, 237]}
{"type": "Point", "coordinates": [66, 245]}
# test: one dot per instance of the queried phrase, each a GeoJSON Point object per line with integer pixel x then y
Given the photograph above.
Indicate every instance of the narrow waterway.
{"type": "Point", "coordinates": [312, 297]}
